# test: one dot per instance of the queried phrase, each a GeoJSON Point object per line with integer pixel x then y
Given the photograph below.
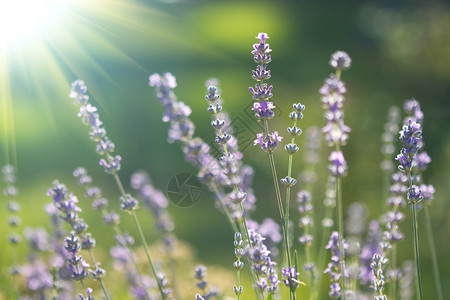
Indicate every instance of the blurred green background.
{"type": "Point", "coordinates": [400, 50]}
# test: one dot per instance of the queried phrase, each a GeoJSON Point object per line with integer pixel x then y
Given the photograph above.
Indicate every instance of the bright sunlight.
{"type": "Point", "coordinates": [25, 20]}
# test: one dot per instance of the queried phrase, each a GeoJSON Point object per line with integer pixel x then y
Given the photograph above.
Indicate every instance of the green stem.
{"type": "Point", "coordinates": [15, 281]}
{"type": "Point", "coordinates": [235, 189]}
{"type": "Point", "coordinates": [394, 268]}
{"type": "Point", "coordinates": [416, 243]}
{"type": "Point", "coordinates": [219, 196]}
{"type": "Point", "coordinates": [437, 278]}
{"type": "Point", "coordinates": [238, 282]}
{"type": "Point", "coordinates": [341, 234]}
{"type": "Point", "coordinates": [325, 234]}
{"type": "Point", "coordinates": [278, 196]}
{"type": "Point", "coordinates": [141, 237]}
{"type": "Point", "coordinates": [416, 250]}
{"type": "Point", "coordinates": [91, 255]}
{"type": "Point", "coordinates": [133, 259]}
{"type": "Point", "coordinates": [147, 252]}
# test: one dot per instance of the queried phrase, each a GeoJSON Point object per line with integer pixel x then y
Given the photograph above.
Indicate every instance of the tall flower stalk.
{"type": "Point", "coordinates": [66, 203]}
{"type": "Point", "coordinates": [229, 161]}
{"type": "Point", "coordinates": [109, 216]}
{"type": "Point", "coordinates": [268, 142]}
{"type": "Point", "coordinates": [238, 264]}
{"type": "Point", "coordinates": [336, 134]}
{"type": "Point", "coordinates": [422, 160]}
{"type": "Point", "coordinates": [14, 238]}
{"type": "Point", "coordinates": [211, 172]}
{"type": "Point", "coordinates": [111, 163]}
{"type": "Point", "coordinates": [411, 136]}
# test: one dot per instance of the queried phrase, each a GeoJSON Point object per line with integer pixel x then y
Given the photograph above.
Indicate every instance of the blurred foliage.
{"type": "Point", "coordinates": [399, 50]}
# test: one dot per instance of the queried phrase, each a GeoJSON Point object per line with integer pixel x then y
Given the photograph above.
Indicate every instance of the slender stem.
{"type": "Point", "coordinates": [132, 258]}
{"type": "Point", "coordinates": [416, 243]}
{"type": "Point", "coordinates": [278, 196]}
{"type": "Point", "coordinates": [394, 268]}
{"type": "Point", "coordinates": [235, 189]}
{"type": "Point", "coordinates": [341, 234]}
{"type": "Point", "coordinates": [15, 281]}
{"type": "Point", "coordinates": [91, 255]}
{"type": "Point", "coordinates": [325, 234]}
{"type": "Point", "coordinates": [437, 278]}
{"type": "Point", "coordinates": [82, 286]}
{"type": "Point", "coordinates": [416, 250]}
{"type": "Point", "coordinates": [274, 175]}
{"type": "Point", "coordinates": [224, 207]}
{"type": "Point", "coordinates": [238, 283]}
{"type": "Point", "coordinates": [141, 237]}
{"type": "Point", "coordinates": [147, 252]}
{"type": "Point", "coordinates": [119, 185]}
{"type": "Point", "coordinates": [81, 282]}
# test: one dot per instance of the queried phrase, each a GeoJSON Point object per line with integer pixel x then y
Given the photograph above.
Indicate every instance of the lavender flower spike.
{"type": "Point", "coordinates": [268, 143]}
{"type": "Point", "coordinates": [338, 165]}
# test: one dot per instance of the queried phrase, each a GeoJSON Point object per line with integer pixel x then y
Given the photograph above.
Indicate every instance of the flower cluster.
{"type": "Point", "coordinates": [338, 166]}
{"type": "Point", "coordinates": [305, 208]}
{"type": "Point", "coordinates": [89, 116]}
{"type": "Point", "coordinates": [410, 136]}
{"type": "Point", "coordinates": [238, 264]}
{"type": "Point", "coordinates": [262, 263]}
{"type": "Point", "coordinates": [333, 90]}
{"type": "Point", "coordinates": [262, 92]}
{"type": "Point", "coordinates": [311, 155]}
{"type": "Point", "coordinates": [66, 203]}
{"type": "Point", "coordinates": [334, 267]}
{"type": "Point", "coordinates": [269, 142]}
{"type": "Point", "coordinates": [176, 112]}
{"type": "Point", "coordinates": [156, 202]}
{"type": "Point", "coordinates": [377, 265]}
{"type": "Point", "coordinates": [371, 247]}
{"type": "Point", "coordinates": [206, 293]}
{"type": "Point", "coordinates": [11, 192]}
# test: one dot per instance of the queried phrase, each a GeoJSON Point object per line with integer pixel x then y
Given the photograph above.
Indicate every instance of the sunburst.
{"type": "Point", "coordinates": [46, 44]}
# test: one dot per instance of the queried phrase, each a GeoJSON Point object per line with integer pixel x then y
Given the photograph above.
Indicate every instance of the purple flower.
{"type": "Point", "coordinates": [410, 136]}
{"type": "Point", "coordinates": [89, 295]}
{"type": "Point", "coordinates": [261, 92]}
{"type": "Point", "coordinates": [263, 110]}
{"type": "Point", "coordinates": [422, 161]}
{"type": "Point", "coordinates": [371, 247]}
{"type": "Point", "coordinates": [338, 165]}
{"type": "Point", "coordinates": [78, 92]}
{"type": "Point", "coordinates": [412, 108]}
{"type": "Point", "coordinates": [290, 277]}
{"type": "Point", "coordinates": [113, 164]}
{"type": "Point", "coordinates": [334, 267]}
{"type": "Point", "coordinates": [268, 143]}
{"type": "Point", "coordinates": [340, 60]}
{"type": "Point", "coordinates": [154, 200]}
{"type": "Point", "coordinates": [332, 91]}
{"type": "Point", "coordinates": [128, 203]}
{"type": "Point", "coordinates": [427, 192]}
{"type": "Point", "coordinates": [79, 272]}
{"type": "Point", "coordinates": [332, 85]}
{"type": "Point", "coordinates": [414, 194]}
{"type": "Point", "coordinates": [37, 238]}
{"type": "Point", "coordinates": [37, 276]}
{"type": "Point", "coordinates": [261, 50]}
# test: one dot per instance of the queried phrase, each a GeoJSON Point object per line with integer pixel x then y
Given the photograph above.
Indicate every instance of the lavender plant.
{"type": "Point", "coordinates": [410, 136]}
{"type": "Point", "coordinates": [111, 164]}
{"type": "Point", "coordinates": [336, 134]}
{"type": "Point", "coordinates": [14, 238]}
{"type": "Point", "coordinates": [56, 262]}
